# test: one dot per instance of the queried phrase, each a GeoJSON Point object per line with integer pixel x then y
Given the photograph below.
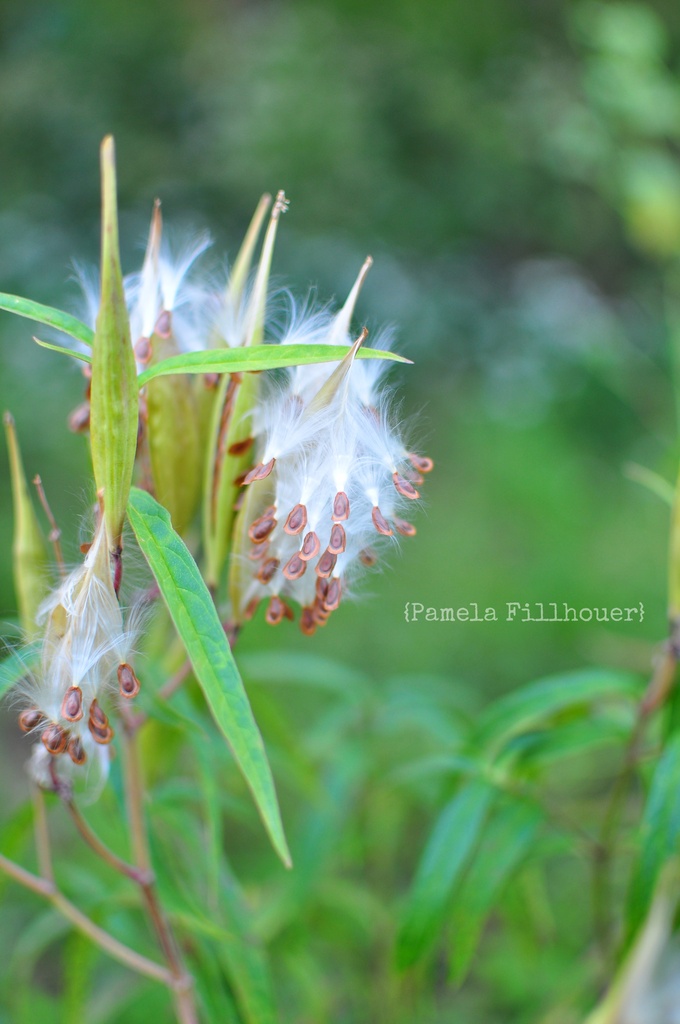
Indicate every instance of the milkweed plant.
{"type": "Point", "coordinates": [298, 477]}
{"type": "Point", "coordinates": [240, 462]}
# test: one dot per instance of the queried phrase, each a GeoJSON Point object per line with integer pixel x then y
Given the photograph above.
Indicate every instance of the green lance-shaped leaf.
{"type": "Point", "coordinates": [506, 842]}
{"type": "Point", "coordinates": [258, 358]}
{"type": "Point", "coordinates": [29, 553]}
{"type": "Point", "coordinates": [446, 855]}
{"type": "Point", "coordinates": [201, 632]}
{"type": "Point", "coordinates": [47, 315]}
{"type": "Point", "coordinates": [114, 401]}
{"type": "Point", "coordinates": [231, 434]}
{"type": "Point", "coordinates": [525, 708]}
{"type": "Point", "coordinates": [659, 832]}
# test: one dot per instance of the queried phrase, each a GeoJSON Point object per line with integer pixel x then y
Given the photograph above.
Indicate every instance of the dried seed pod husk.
{"type": "Point", "coordinates": [114, 406]}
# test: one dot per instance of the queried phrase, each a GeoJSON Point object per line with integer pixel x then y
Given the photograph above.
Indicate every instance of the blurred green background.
{"type": "Point", "coordinates": [514, 171]}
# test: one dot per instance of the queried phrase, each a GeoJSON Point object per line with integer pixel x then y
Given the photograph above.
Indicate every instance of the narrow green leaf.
{"type": "Point", "coordinates": [84, 357]}
{"type": "Point", "coordinates": [47, 315]}
{"type": "Point", "coordinates": [446, 854]}
{"type": "Point", "coordinates": [659, 832]}
{"type": "Point", "coordinates": [29, 553]}
{"type": "Point", "coordinates": [243, 963]}
{"type": "Point", "coordinates": [573, 739]}
{"type": "Point", "coordinates": [507, 840]}
{"type": "Point", "coordinates": [258, 357]}
{"type": "Point", "coordinates": [654, 482]}
{"type": "Point", "coordinates": [114, 400]}
{"type": "Point", "coordinates": [16, 665]}
{"type": "Point", "coordinates": [199, 627]}
{"type": "Point", "coordinates": [525, 708]}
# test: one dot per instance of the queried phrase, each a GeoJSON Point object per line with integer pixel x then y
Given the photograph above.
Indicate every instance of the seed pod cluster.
{"type": "Point", "coordinates": [85, 648]}
{"type": "Point", "coordinates": [332, 480]}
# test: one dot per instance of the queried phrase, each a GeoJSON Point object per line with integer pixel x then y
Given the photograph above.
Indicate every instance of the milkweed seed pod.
{"type": "Point", "coordinates": [333, 479]}
{"type": "Point", "coordinates": [84, 662]}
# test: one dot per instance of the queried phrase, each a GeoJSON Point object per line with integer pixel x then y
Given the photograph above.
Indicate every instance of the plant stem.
{"type": "Point", "coordinates": [42, 837]}
{"type": "Point", "coordinates": [658, 690]}
{"type": "Point", "coordinates": [134, 787]}
{"type": "Point", "coordinates": [46, 888]}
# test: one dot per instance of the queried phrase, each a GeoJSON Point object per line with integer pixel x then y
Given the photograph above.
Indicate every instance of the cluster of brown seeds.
{"type": "Point", "coordinates": [60, 738]}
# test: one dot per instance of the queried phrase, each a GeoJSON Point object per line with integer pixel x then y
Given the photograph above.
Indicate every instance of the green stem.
{"type": "Point", "coordinates": [656, 694]}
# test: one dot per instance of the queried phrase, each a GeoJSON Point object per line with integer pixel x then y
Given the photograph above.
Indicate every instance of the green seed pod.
{"type": "Point", "coordinates": [173, 434]}
{"type": "Point", "coordinates": [114, 397]}
{"type": "Point", "coordinates": [29, 551]}
{"type": "Point", "coordinates": [229, 455]}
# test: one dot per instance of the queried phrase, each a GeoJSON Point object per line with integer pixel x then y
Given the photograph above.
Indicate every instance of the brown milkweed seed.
{"type": "Point", "coordinates": [55, 740]}
{"type": "Point", "coordinates": [128, 682]}
{"type": "Point", "coordinates": [311, 546]}
{"type": "Point", "coordinates": [278, 610]}
{"type": "Point", "coordinates": [240, 447]}
{"type": "Point", "coordinates": [404, 487]}
{"type": "Point", "coordinates": [97, 716]}
{"type": "Point", "coordinates": [76, 750]}
{"type": "Point", "coordinates": [333, 595]}
{"type": "Point", "coordinates": [338, 540]}
{"type": "Point", "coordinates": [100, 735]}
{"type": "Point", "coordinates": [404, 528]}
{"type": "Point", "coordinates": [163, 326]}
{"type": "Point", "coordinates": [79, 419]}
{"type": "Point", "coordinates": [143, 350]}
{"type": "Point", "coordinates": [340, 507]}
{"type": "Point", "coordinates": [260, 472]}
{"type": "Point", "coordinates": [72, 704]}
{"type": "Point", "coordinates": [326, 564]}
{"type": "Point", "coordinates": [29, 719]}
{"type": "Point", "coordinates": [261, 528]}
{"type": "Point", "coordinates": [380, 523]}
{"type": "Point", "coordinates": [368, 557]}
{"type": "Point", "coordinates": [307, 623]}
{"type": "Point", "coordinates": [421, 462]}
{"type": "Point", "coordinates": [295, 567]}
{"type": "Point", "coordinates": [297, 520]}
{"type": "Point", "coordinates": [267, 569]}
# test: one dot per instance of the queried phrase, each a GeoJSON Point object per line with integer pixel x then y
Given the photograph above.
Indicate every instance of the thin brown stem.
{"type": "Point", "coordinates": [134, 786]}
{"type": "Point", "coordinates": [55, 532]}
{"type": "Point", "coordinates": [124, 955]}
{"type": "Point", "coordinates": [101, 849]}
